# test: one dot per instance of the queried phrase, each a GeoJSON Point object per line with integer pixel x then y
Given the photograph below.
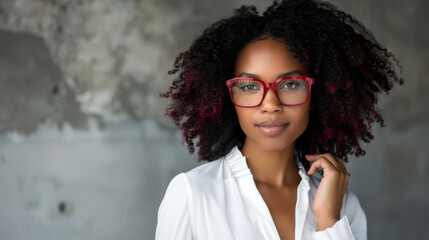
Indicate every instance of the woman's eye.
{"type": "Point", "coordinates": [249, 87]}
{"type": "Point", "coordinates": [290, 85]}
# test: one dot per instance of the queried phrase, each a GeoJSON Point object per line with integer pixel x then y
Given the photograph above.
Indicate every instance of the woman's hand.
{"type": "Point", "coordinates": [329, 196]}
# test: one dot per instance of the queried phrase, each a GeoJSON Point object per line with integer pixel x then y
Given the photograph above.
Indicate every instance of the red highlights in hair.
{"type": "Point", "coordinates": [331, 89]}
{"type": "Point", "coordinates": [189, 82]}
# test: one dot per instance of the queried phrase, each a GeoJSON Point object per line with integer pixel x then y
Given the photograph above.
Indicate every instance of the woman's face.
{"type": "Point", "coordinates": [271, 126]}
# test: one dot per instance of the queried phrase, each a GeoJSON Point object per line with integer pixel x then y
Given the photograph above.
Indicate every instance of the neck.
{"type": "Point", "coordinates": [276, 168]}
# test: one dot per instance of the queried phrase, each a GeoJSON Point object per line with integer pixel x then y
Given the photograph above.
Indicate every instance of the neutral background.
{"type": "Point", "coordinates": [86, 153]}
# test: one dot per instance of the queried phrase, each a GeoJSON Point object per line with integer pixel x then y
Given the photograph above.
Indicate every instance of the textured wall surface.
{"type": "Point", "coordinates": [86, 153]}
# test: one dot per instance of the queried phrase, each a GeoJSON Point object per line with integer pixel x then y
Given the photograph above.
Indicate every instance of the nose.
{"type": "Point", "coordinates": [271, 103]}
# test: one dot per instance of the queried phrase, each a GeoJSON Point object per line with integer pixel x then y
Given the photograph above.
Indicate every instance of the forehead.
{"type": "Point", "coordinates": [267, 58]}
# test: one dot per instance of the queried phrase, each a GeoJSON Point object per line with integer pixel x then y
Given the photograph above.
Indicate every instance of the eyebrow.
{"type": "Point", "coordinates": [250, 75]}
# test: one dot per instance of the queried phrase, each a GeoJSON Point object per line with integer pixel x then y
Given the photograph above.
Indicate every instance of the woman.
{"type": "Point", "coordinates": [269, 100]}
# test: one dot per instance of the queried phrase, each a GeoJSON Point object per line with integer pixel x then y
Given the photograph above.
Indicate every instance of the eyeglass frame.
{"type": "Point", "coordinates": [267, 86]}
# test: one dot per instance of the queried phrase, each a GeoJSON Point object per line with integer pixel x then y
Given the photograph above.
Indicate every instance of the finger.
{"type": "Point", "coordinates": [321, 163]}
{"type": "Point", "coordinates": [337, 162]}
{"type": "Point", "coordinates": [313, 157]}
{"type": "Point", "coordinates": [341, 165]}
{"type": "Point", "coordinates": [327, 156]}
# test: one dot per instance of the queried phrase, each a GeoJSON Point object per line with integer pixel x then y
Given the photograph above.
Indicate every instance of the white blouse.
{"type": "Point", "coordinates": [219, 200]}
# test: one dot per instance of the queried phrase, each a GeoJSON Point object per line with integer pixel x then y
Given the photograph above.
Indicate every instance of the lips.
{"type": "Point", "coordinates": [271, 123]}
{"type": "Point", "coordinates": [271, 127]}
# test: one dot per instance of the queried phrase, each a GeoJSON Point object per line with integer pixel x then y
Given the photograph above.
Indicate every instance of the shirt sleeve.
{"type": "Point", "coordinates": [173, 212]}
{"type": "Point", "coordinates": [352, 226]}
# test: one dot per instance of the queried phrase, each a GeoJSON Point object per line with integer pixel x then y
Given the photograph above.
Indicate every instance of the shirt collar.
{"type": "Point", "coordinates": [237, 163]}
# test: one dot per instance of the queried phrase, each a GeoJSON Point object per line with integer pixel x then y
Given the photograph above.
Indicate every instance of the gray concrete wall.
{"type": "Point", "coordinates": [86, 153]}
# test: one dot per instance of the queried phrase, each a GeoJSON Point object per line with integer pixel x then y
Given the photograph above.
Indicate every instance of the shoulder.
{"type": "Point", "coordinates": [216, 170]}
{"type": "Point", "coordinates": [206, 171]}
{"type": "Point", "coordinates": [196, 179]}
{"type": "Point", "coordinates": [205, 178]}
{"type": "Point", "coordinates": [176, 189]}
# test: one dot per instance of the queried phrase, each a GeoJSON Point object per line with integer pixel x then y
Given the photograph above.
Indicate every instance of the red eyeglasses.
{"type": "Point", "coordinates": [250, 92]}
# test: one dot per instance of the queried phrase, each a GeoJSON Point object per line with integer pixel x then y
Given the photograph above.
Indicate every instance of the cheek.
{"type": "Point", "coordinates": [302, 118]}
{"type": "Point", "coordinates": [244, 118]}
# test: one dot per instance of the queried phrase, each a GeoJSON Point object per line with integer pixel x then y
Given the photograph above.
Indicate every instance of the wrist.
{"type": "Point", "coordinates": [325, 222]}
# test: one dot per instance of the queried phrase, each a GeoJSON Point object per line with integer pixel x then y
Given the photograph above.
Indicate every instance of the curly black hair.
{"type": "Point", "coordinates": [349, 65]}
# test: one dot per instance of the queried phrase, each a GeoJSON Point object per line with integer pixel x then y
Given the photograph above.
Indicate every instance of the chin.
{"type": "Point", "coordinates": [273, 144]}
